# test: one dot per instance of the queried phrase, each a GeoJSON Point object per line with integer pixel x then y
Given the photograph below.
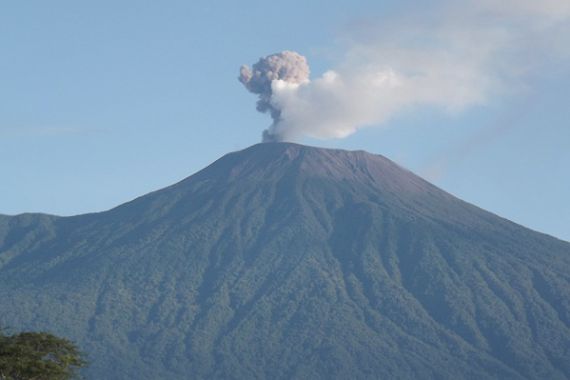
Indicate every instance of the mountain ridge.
{"type": "Point", "coordinates": [288, 261]}
{"type": "Point", "coordinates": [277, 148]}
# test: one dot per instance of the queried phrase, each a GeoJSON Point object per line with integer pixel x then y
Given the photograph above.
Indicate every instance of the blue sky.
{"type": "Point", "coordinates": [105, 101]}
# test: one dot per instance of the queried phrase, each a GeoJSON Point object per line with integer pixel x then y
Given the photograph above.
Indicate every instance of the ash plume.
{"type": "Point", "coordinates": [450, 60]}
{"type": "Point", "coordinates": [287, 67]}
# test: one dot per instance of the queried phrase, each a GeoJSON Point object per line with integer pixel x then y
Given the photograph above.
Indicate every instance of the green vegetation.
{"type": "Point", "coordinates": [289, 262]}
{"type": "Point", "coordinates": [38, 355]}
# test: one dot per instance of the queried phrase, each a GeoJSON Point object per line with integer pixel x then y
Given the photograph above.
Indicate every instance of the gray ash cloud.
{"type": "Point", "coordinates": [287, 66]}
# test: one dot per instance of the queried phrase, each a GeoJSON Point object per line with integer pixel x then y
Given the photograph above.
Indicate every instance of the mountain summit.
{"type": "Point", "coordinates": [286, 261]}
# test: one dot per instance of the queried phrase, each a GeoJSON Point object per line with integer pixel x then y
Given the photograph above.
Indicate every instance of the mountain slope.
{"type": "Point", "coordinates": [286, 261]}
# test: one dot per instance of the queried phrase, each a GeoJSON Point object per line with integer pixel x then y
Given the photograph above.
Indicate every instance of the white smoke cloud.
{"type": "Point", "coordinates": [463, 57]}
{"type": "Point", "coordinates": [334, 105]}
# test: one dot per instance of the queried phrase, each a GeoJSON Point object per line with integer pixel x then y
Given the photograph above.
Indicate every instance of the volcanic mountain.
{"type": "Point", "coordinates": [283, 261]}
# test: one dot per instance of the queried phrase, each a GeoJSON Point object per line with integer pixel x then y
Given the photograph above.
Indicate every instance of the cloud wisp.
{"type": "Point", "coordinates": [453, 59]}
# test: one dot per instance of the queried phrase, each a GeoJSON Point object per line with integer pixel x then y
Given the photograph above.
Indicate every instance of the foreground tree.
{"type": "Point", "coordinates": [38, 356]}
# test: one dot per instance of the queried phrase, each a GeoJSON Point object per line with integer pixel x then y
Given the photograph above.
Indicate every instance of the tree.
{"type": "Point", "coordinates": [38, 356]}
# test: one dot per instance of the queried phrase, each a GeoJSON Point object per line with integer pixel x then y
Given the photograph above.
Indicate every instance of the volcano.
{"type": "Point", "coordinates": [283, 261]}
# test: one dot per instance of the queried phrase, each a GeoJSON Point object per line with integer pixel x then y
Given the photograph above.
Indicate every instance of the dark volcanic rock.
{"type": "Point", "coordinates": [285, 261]}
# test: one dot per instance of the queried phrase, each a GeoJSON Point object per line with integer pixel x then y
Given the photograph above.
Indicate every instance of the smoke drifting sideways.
{"type": "Point", "coordinates": [285, 69]}
{"type": "Point", "coordinates": [340, 102]}
{"type": "Point", "coordinates": [451, 60]}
